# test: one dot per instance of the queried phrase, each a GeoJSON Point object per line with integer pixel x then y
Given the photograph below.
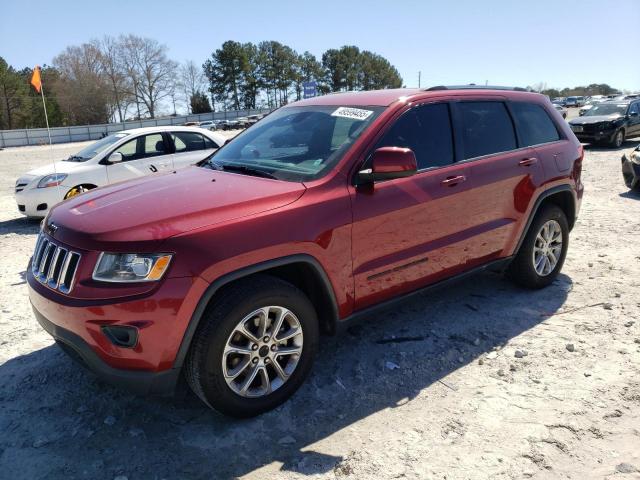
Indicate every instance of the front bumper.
{"type": "Point", "coordinates": [596, 136]}
{"type": "Point", "coordinates": [160, 383]}
{"type": "Point", "coordinates": [160, 316]}
{"type": "Point", "coordinates": [36, 202]}
{"type": "Point", "coordinates": [630, 173]}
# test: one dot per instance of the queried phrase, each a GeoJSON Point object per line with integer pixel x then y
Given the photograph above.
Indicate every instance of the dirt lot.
{"type": "Point", "coordinates": [497, 382]}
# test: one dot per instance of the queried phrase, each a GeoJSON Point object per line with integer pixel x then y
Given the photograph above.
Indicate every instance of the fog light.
{"type": "Point", "coordinates": [121, 336]}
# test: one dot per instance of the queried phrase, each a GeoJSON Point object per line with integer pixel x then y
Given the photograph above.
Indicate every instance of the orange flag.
{"type": "Point", "coordinates": [35, 79]}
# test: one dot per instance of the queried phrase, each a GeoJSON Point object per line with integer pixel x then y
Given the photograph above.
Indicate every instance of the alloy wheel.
{"type": "Point", "coordinates": [547, 248]}
{"type": "Point", "coordinates": [262, 351]}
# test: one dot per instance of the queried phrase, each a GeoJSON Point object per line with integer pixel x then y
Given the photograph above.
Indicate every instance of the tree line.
{"type": "Point", "coordinates": [580, 91]}
{"type": "Point", "coordinates": [129, 77]}
{"type": "Point", "coordinates": [241, 73]}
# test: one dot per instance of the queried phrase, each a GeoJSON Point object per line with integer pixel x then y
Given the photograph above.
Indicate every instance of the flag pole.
{"type": "Point", "coordinates": [46, 119]}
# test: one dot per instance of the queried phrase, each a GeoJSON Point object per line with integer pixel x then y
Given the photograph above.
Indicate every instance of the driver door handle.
{"type": "Point", "coordinates": [452, 181]}
{"type": "Point", "coordinates": [527, 161]}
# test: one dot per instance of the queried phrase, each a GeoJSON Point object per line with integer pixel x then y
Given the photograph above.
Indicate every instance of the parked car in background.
{"type": "Point", "coordinates": [381, 196]}
{"type": "Point", "coordinates": [116, 157]}
{"type": "Point", "coordinates": [631, 169]}
{"type": "Point", "coordinates": [208, 125]}
{"type": "Point", "coordinates": [191, 124]}
{"type": "Point", "coordinates": [571, 102]}
{"type": "Point", "coordinates": [252, 119]}
{"type": "Point", "coordinates": [234, 124]}
{"type": "Point", "coordinates": [563, 111]}
{"type": "Point", "coordinates": [560, 101]}
{"type": "Point", "coordinates": [608, 122]}
{"type": "Point", "coordinates": [586, 107]}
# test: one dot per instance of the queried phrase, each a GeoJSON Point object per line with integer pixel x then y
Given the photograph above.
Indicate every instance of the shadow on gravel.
{"type": "Point", "coordinates": [630, 194]}
{"type": "Point", "coordinates": [20, 225]}
{"type": "Point", "coordinates": [58, 421]}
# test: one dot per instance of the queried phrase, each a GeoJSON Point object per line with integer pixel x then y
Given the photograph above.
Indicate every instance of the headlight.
{"type": "Point", "coordinates": [52, 180]}
{"type": "Point", "coordinates": [131, 267]}
{"type": "Point", "coordinates": [635, 158]}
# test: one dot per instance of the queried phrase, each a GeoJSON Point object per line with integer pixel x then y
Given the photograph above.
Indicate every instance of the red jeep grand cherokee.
{"type": "Point", "coordinates": [226, 272]}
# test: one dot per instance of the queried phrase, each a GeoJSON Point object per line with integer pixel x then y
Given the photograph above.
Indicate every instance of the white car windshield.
{"type": "Point", "coordinates": [87, 153]}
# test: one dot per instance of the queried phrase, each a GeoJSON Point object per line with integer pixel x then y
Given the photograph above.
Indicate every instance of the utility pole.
{"type": "Point", "coordinates": [419, 75]}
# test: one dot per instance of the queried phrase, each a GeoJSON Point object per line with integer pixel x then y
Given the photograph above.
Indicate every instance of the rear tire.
{"type": "Point", "coordinates": [547, 237]}
{"type": "Point", "coordinates": [229, 323]}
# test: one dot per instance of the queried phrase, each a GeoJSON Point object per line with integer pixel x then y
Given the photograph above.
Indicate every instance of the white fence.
{"type": "Point", "coordinates": [38, 136]}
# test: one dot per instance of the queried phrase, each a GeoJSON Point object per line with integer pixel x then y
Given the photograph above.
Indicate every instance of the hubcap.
{"type": "Point", "coordinates": [547, 248]}
{"type": "Point", "coordinates": [262, 351]}
{"type": "Point", "coordinates": [619, 139]}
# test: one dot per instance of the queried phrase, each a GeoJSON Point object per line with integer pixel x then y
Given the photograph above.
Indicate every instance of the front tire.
{"type": "Point", "coordinates": [254, 347]}
{"type": "Point", "coordinates": [618, 139]}
{"type": "Point", "coordinates": [542, 253]}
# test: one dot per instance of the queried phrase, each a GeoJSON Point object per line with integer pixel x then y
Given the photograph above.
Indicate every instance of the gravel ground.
{"type": "Point", "coordinates": [482, 380]}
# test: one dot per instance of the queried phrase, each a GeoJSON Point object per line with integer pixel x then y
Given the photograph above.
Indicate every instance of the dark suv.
{"type": "Point", "coordinates": [608, 122]}
{"type": "Point", "coordinates": [227, 272]}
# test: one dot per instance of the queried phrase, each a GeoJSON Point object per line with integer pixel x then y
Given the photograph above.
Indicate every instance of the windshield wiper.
{"type": "Point", "coordinates": [74, 157]}
{"type": "Point", "coordinates": [244, 169]}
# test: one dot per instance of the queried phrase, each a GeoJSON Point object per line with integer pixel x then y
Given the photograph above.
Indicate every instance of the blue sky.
{"type": "Point", "coordinates": [507, 42]}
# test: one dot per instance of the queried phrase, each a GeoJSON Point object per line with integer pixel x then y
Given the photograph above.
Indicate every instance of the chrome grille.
{"type": "Point", "coordinates": [53, 265]}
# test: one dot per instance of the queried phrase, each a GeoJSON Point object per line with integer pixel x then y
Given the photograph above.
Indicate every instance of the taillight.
{"type": "Point", "coordinates": [577, 165]}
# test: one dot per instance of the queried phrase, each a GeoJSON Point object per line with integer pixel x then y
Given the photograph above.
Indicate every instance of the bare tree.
{"type": "Point", "coordinates": [191, 80]}
{"type": "Point", "coordinates": [114, 70]}
{"type": "Point", "coordinates": [82, 91]}
{"type": "Point", "coordinates": [149, 69]}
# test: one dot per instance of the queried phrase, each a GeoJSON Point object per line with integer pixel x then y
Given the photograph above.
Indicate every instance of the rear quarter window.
{"type": "Point", "coordinates": [534, 124]}
{"type": "Point", "coordinates": [486, 128]}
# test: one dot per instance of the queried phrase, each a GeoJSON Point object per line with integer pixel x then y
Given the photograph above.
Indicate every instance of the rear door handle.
{"type": "Point", "coordinates": [452, 181]}
{"type": "Point", "coordinates": [527, 161]}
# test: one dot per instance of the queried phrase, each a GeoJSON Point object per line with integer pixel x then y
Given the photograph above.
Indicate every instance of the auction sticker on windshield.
{"type": "Point", "coordinates": [353, 113]}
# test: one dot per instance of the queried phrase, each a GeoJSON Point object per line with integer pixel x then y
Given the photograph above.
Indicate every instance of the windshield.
{"type": "Point", "coordinates": [294, 143]}
{"type": "Point", "coordinates": [607, 109]}
{"type": "Point", "coordinates": [87, 153]}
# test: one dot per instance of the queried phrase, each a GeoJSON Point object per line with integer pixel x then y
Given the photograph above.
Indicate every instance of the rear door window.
{"type": "Point", "coordinates": [426, 130]}
{"type": "Point", "coordinates": [188, 141]}
{"type": "Point", "coordinates": [533, 124]}
{"type": "Point", "coordinates": [154, 145]}
{"type": "Point", "coordinates": [486, 128]}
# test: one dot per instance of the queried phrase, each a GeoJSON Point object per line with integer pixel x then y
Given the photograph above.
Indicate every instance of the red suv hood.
{"type": "Point", "coordinates": [145, 211]}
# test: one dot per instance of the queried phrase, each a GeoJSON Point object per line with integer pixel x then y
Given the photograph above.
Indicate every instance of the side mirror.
{"type": "Point", "coordinates": [633, 114]}
{"type": "Point", "coordinates": [115, 157]}
{"type": "Point", "coordinates": [388, 163]}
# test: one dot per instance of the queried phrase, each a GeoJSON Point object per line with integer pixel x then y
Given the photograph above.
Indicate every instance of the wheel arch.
{"type": "Point", "coordinates": [303, 271]}
{"type": "Point", "coordinates": [561, 196]}
{"type": "Point", "coordinates": [88, 185]}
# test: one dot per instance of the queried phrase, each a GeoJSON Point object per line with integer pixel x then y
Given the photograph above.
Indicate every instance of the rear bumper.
{"type": "Point", "coordinates": [160, 383]}
{"type": "Point", "coordinates": [630, 173]}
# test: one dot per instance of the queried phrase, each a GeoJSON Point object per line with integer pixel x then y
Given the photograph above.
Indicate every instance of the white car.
{"type": "Point", "coordinates": [117, 157]}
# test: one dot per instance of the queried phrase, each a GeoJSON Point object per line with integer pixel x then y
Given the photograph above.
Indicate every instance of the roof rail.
{"type": "Point", "coordinates": [473, 86]}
